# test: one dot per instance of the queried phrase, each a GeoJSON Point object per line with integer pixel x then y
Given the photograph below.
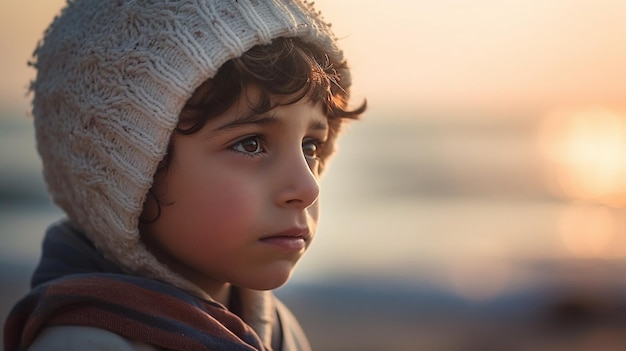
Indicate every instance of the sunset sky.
{"type": "Point", "coordinates": [428, 54]}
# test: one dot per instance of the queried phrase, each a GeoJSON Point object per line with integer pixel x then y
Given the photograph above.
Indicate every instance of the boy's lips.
{"type": "Point", "coordinates": [290, 239]}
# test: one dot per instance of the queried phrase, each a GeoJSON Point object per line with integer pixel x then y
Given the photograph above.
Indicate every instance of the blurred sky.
{"type": "Point", "coordinates": [427, 54]}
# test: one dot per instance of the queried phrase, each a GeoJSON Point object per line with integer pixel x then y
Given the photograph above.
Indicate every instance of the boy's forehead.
{"type": "Point", "coordinates": [253, 100]}
{"type": "Point", "coordinates": [245, 112]}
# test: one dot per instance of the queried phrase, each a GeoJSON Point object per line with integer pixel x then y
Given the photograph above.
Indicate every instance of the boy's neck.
{"type": "Point", "coordinates": [221, 294]}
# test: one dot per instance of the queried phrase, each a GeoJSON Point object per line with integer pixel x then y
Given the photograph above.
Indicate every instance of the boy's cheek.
{"type": "Point", "coordinates": [314, 210]}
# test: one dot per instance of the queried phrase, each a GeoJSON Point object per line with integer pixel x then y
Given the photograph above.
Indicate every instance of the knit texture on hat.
{"type": "Point", "coordinates": [112, 78]}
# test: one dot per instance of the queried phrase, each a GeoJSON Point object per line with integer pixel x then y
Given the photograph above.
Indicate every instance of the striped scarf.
{"type": "Point", "coordinates": [74, 285]}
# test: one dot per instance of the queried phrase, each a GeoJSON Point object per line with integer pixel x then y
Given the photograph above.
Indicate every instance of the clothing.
{"type": "Point", "coordinates": [80, 300]}
{"type": "Point", "coordinates": [72, 338]}
{"type": "Point", "coordinates": [112, 79]}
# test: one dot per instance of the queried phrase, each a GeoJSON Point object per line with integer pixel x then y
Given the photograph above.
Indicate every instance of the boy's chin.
{"type": "Point", "coordinates": [269, 280]}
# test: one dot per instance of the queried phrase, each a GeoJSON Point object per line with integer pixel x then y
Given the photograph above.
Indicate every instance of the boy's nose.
{"type": "Point", "coordinates": [299, 185]}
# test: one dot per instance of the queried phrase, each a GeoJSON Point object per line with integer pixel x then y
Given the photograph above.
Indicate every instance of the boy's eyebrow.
{"type": "Point", "coordinates": [253, 118]}
{"type": "Point", "coordinates": [248, 119]}
{"type": "Point", "coordinates": [319, 125]}
{"type": "Point", "coordinates": [259, 119]}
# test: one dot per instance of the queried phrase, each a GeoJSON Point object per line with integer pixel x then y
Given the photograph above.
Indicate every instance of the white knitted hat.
{"type": "Point", "coordinates": [112, 78]}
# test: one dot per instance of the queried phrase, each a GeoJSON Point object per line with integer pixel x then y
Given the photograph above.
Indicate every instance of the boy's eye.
{"type": "Point", "coordinates": [310, 149]}
{"type": "Point", "coordinates": [251, 145]}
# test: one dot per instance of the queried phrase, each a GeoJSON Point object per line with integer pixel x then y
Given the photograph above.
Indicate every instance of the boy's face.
{"type": "Point", "coordinates": [240, 196]}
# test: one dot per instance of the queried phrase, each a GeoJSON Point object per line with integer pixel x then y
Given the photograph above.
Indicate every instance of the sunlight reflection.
{"type": "Point", "coordinates": [585, 149]}
{"type": "Point", "coordinates": [593, 231]}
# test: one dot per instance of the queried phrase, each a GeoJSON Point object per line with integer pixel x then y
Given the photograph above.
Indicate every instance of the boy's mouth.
{"type": "Point", "coordinates": [290, 239]}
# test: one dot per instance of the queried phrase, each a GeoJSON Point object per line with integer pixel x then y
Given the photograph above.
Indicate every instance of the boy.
{"type": "Point", "coordinates": [184, 140]}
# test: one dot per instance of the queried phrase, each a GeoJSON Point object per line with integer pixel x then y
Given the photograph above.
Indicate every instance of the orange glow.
{"type": "Point", "coordinates": [585, 150]}
{"type": "Point", "coordinates": [485, 54]}
{"type": "Point", "coordinates": [587, 231]}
